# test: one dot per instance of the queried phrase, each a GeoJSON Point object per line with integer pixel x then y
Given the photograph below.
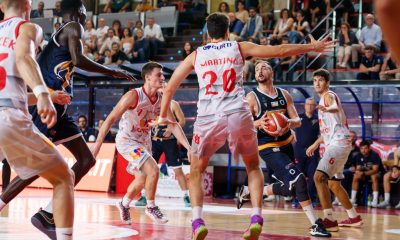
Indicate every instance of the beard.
{"type": "Point", "coordinates": [261, 78]}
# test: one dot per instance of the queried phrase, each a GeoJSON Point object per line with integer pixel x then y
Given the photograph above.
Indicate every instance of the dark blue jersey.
{"type": "Point", "coordinates": [56, 65]}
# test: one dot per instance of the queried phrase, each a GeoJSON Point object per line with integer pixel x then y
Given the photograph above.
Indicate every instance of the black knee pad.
{"type": "Point", "coordinates": [300, 188]}
{"type": "Point", "coordinates": [279, 188]}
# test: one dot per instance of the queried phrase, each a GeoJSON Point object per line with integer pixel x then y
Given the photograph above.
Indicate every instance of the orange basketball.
{"type": "Point", "coordinates": [276, 121]}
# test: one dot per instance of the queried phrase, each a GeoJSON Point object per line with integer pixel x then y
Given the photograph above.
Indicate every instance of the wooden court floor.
{"type": "Point", "coordinates": [96, 217]}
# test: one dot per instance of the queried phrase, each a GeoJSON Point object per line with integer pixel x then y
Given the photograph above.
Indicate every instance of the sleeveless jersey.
{"type": "Point", "coordinates": [219, 69]}
{"type": "Point", "coordinates": [154, 130]}
{"type": "Point", "coordinates": [56, 65]}
{"type": "Point", "coordinates": [333, 126]}
{"type": "Point", "coordinates": [270, 104]}
{"type": "Point", "coordinates": [13, 89]}
{"type": "Point", "coordinates": [134, 123]}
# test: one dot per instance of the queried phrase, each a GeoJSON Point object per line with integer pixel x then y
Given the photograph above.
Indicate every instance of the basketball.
{"type": "Point", "coordinates": [275, 122]}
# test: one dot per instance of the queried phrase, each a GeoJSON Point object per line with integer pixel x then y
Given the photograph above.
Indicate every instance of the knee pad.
{"type": "Point", "coordinates": [282, 189]}
{"type": "Point", "coordinates": [300, 188]}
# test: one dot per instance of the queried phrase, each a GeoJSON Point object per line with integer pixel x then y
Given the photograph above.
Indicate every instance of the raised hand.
{"type": "Point", "coordinates": [324, 45]}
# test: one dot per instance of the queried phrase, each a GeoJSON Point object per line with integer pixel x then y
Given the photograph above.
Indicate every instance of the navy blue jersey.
{"type": "Point", "coordinates": [269, 104]}
{"type": "Point", "coordinates": [56, 65]}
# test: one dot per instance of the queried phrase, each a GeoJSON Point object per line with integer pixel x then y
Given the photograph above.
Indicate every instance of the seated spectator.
{"type": "Point", "coordinates": [138, 25]}
{"type": "Point", "coordinates": [87, 132]}
{"type": "Point", "coordinates": [57, 27]}
{"type": "Point", "coordinates": [117, 56]}
{"type": "Point", "coordinates": [370, 34]}
{"type": "Point", "coordinates": [144, 6]}
{"type": "Point", "coordinates": [392, 176]}
{"type": "Point", "coordinates": [39, 12]}
{"type": "Point", "coordinates": [389, 70]}
{"type": "Point", "coordinates": [108, 138]}
{"type": "Point", "coordinates": [117, 26]}
{"type": "Point", "coordinates": [140, 48]}
{"type": "Point", "coordinates": [57, 9]}
{"type": "Point", "coordinates": [187, 49]}
{"type": "Point", "coordinates": [248, 4]}
{"type": "Point", "coordinates": [153, 33]}
{"type": "Point", "coordinates": [242, 14]}
{"type": "Point", "coordinates": [107, 57]}
{"type": "Point", "coordinates": [267, 14]}
{"type": "Point", "coordinates": [285, 64]}
{"type": "Point", "coordinates": [235, 27]}
{"type": "Point", "coordinates": [370, 65]}
{"type": "Point", "coordinates": [249, 64]}
{"type": "Point", "coordinates": [127, 42]}
{"type": "Point", "coordinates": [87, 52]}
{"type": "Point", "coordinates": [368, 165]}
{"type": "Point", "coordinates": [253, 27]}
{"type": "Point", "coordinates": [101, 31]}
{"type": "Point", "coordinates": [164, 3]}
{"type": "Point", "coordinates": [343, 10]}
{"type": "Point", "coordinates": [92, 43]}
{"type": "Point", "coordinates": [109, 41]}
{"type": "Point", "coordinates": [284, 25]}
{"type": "Point", "coordinates": [89, 30]}
{"type": "Point", "coordinates": [223, 8]}
{"type": "Point", "coordinates": [97, 57]}
{"type": "Point", "coordinates": [348, 45]}
{"type": "Point", "coordinates": [301, 27]}
{"type": "Point", "coordinates": [317, 10]}
{"type": "Point", "coordinates": [114, 6]}
{"type": "Point", "coordinates": [298, 5]}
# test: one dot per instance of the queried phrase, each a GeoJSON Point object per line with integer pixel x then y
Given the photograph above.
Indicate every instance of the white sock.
{"type": "Point", "coordinates": [375, 196]}
{"type": "Point", "coordinates": [143, 192]}
{"type": "Point", "coordinates": [256, 211]}
{"type": "Point", "coordinates": [265, 190]}
{"type": "Point", "coordinates": [329, 214]}
{"type": "Point", "coordinates": [64, 233]}
{"type": "Point", "coordinates": [352, 212]}
{"type": "Point", "coordinates": [387, 197]}
{"type": "Point", "coordinates": [246, 190]}
{"type": "Point", "coordinates": [309, 211]}
{"type": "Point", "coordinates": [49, 207]}
{"type": "Point", "coordinates": [2, 204]}
{"type": "Point", "coordinates": [353, 195]}
{"type": "Point", "coordinates": [126, 201]}
{"type": "Point", "coordinates": [151, 203]}
{"type": "Point", "coordinates": [197, 212]}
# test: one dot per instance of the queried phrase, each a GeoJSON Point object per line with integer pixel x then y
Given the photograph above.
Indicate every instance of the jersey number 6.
{"type": "Point", "coordinates": [228, 81]}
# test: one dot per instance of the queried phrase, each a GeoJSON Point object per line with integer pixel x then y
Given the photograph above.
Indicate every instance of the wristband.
{"type": "Point", "coordinates": [162, 119]}
{"type": "Point", "coordinates": [39, 90]}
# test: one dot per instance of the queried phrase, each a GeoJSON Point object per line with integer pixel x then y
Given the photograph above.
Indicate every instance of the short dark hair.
{"type": "Point", "coordinates": [217, 25]}
{"type": "Point", "coordinates": [71, 5]}
{"type": "Point", "coordinates": [82, 116]}
{"type": "Point", "coordinates": [322, 73]}
{"type": "Point", "coordinates": [370, 47]}
{"type": "Point", "coordinates": [148, 68]}
{"type": "Point", "coordinates": [365, 143]}
{"type": "Point", "coordinates": [397, 167]}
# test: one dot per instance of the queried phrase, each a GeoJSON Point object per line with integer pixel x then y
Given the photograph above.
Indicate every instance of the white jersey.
{"type": "Point", "coordinates": [333, 126]}
{"type": "Point", "coordinates": [134, 124]}
{"type": "Point", "coordinates": [219, 69]}
{"type": "Point", "coordinates": [13, 91]}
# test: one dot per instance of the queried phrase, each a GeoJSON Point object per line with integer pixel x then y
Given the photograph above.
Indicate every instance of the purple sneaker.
{"type": "Point", "coordinates": [199, 231]}
{"type": "Point", "coordinates": [254, 230]}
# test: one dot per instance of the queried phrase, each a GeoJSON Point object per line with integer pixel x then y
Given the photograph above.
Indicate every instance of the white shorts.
{"type": "Point", "coordinates": [28, 151]}
{"type": "Point", "coordinates": [333, 161]}
{"type": "Point", "coordinates": [211, 133]}
{"type": "Point", "coordinates": [135, 153]}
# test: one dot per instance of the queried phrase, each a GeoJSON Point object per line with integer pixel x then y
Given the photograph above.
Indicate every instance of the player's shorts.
{"type": "Point", "coordinates": [333, 161]}
{"type": "Point", "coordinates": [210, 133]}
{"type": "Point", "coordinates": [28, 152]}
{"type": "Point", "coordinates": [135, 153]}
{"type": "Point", "coordinates": [65, 129]}
{"type": "Point", "coordinates": [171, 150]}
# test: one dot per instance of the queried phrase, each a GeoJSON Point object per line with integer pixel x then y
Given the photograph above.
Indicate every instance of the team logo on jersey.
{"type": "Point", "coordinates": [274, 104]}
{"type": "Point", "coordinates": [282, 102]}
{"type": "Point", "coordinates": [196, 139]}
{"type": "Point", "coordinates": [136, 153]}
{"type": "Point", "coordinates": [64, 72]}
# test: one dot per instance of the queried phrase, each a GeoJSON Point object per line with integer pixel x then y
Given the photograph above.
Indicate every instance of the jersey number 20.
{"type": "Point", "coordinates": [228, 81]}
{"type": "Point", "coordinates": [3, 73]}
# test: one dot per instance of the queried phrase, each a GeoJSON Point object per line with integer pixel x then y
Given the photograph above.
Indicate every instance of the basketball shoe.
{"type": "Point", "coordinates": [243, 196]}
{"type": "Point", "coordinates": [155, 214]}
{"type": "Point", "coordinates": [318, 229]}
{"type": "Point", "coordinates": [199, 230]}
{"type": "Point", "coordinates": [141, 202]}
{"type": "Point", "coordinates": [254, 230]}
{"type": "Point", "coordinates": [351, 222]}
{"type": "Point", "coordinates": [331, 226]}
{"type": "Point", "coordinates": [44, 221]}
{"type": "Point", "coordinates": [124, 213]}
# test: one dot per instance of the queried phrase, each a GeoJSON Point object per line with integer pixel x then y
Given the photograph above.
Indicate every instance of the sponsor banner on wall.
{"type": "Point", "coordinates": [98, 178]}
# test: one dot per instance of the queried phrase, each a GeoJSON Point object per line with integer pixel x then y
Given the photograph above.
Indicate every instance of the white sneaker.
{"type": "Point", "coordinates": [288, 199]}
{"type": "Point", "coordinates": [383, 204]}
{"type": "Point", "coordinates": [397, 206]}
{"type": "Point", "coordinates": [374, 204]}
{"type": "Point", "coordinates": [155, 214]}
{"type": "Point", "coordinates": [353, 202]}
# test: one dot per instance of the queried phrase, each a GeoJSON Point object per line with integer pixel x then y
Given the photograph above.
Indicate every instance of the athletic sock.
{"type": "Point", "coordinates": [352, 212]}
{"type": "Point", "coordinates": [309, 211]}
{"type": "Point", "coordinates": [126, 201]}
{"type": "Point", "coordinates": [64, 233]}
{"type": "Point", "coordinates": [246, 190]}
{"type": "Point", "coordinates": [49, 207]}
{"type": "Point", "coordinates": [329, 214]}
{"type": "Point", "coordinates": [375, 196]}
{"type": "Point", "coordinates": [387, 197]}
{"type": "Point", "coordinates": [197, 212]}
{"type": "Point", "coordinates": [265, 190]}
{"type": "Point", "coordinates": [151, 203]}
{"type": "Point", "coordinates": [143, 192]}
{"type": "Point", "coordinates": [353, 195]}
{"type": "Point", "coordinates": [256, 211]}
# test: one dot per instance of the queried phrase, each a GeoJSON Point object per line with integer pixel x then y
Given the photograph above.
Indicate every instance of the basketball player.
{"type": "Point", "coordinates": [137, 109]}
{"type": "Point", "coordinates": [29, 152]}
{"type": "Point", "coordinates": [336, 137]}
{"type": "Point", "coordinates": [277, 152]}
{"type": "Point", "coordinates": [57, 63]}
{"type": "Point", "coordinates": [223, 113]}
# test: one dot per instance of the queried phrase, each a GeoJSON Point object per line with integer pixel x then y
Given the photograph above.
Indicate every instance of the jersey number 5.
{"type": "Point", "coordinates": [228, 81]}
{"type": "Point", "coordinates": [3, 73]}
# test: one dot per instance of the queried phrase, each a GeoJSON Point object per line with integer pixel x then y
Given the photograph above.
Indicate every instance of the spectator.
{"type": "Point", "coordinates": [242, 14]}
{"type": "Point", "coordinates": [298, 5]}
{"type": "Point", "coordinates": [87, 52]}
{"type": "Point", "coordinates": [370, 65]}
{"type": "Point", "coordinates": [187, 49]}
{"type": "Point", "coordinates": [248, 4]}
{"type": "Point", "coordinates": [127, 42]}
{"type": "Point", "coordinates": [87, 132]}
{"type": "Point", "coordinates": [343, 10]}
{"type": "Point", "coordinates": [57, 27]}
{"type": "Point", "coordinates": [284, 25]}
{"type": "Point", "coordinates": [235, 27]}
{"type": "Point", "coordinates": [92, 43]}
{"type": "Point", "coordinates": [301, 27]}
{"type": "Point", "coordinates": [39, 12]}
{"type": "Point", "coordinates": [267, 14]}
{"type": "Point", "coordinates": [114, 6]}
{"type": "Point", "coordinates": [101, 31]}
{"type": "Point", "coordinates": [97, 57]}
{"type": "Point", "coordinates": [368, 165]}
{"type": "Point", "coordinates": [109, 41]}
{"type": "Point", "coordinates": [223, 8]}
{"type": "Point", "coordinates": [109, 138]}
{"type": "Point", "coordinates": [153, 33]}
{"type": "Point", "coordinates": [164, 3]}
{"type": "Point", "coordinates": [253, 27]}
{"type": "Point", "coordinates": [392, 176]}
{"type": "Point", "coordinates": [107, 57]}
{"type": "Point", "coordinates": [57, 9]}
{"type": "Point", "coordinates": [144, 6]}
{"type": "Point", "coordinates": [117, 56]}
{"type": "Point", "coordinates": [249, 64]}
{"type": "Point", "coordinates": [370, 34]}
{"type": "Point", "coordinates": [138, 25]}
{"type": "Point", "coordinates": [307, 134]}
{"type": "Point", "coordinates": [141, 47]}
{"type": "Point", "coordinates": [199, 6]}
{"type": "Point", "coordinates": [348, 45]}
{"type": "Point", "coordinates": [389, 69]}
{"type": "Point", "coordinates": [317, 10]}
{"type": "Point", "coordinates": [89, 30]}
{"type": "Point", "coordinates": [116, 25]}
{"type": "Point", "coordinates": [285, 64]}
